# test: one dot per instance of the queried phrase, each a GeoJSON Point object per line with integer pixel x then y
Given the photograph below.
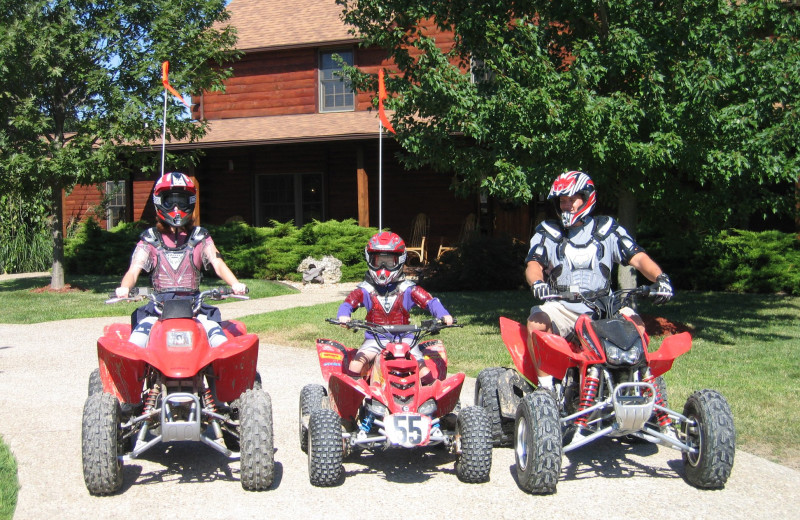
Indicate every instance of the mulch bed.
{"type": "Point", "coordinates": [657, 326]}
{"type": "Point", "coordinates": [66, 289]}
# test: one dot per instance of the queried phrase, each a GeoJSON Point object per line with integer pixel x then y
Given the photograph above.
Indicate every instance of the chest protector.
{"type": "Point", "coordinates": [583, 259]}
{"type": "Point", "coordinates": [175, 269]}
{"type": "Point", "coordinates": [388, 308]}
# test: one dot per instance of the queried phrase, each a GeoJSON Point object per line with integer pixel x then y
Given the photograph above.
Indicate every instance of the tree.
{"type": "Point", "coordinates": [80, 89]}
{"type": "Point", "coordinates": [687, 108]}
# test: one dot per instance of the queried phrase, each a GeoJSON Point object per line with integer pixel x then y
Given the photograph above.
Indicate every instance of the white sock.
{"type": "Point", "coordinates": [546, 382]}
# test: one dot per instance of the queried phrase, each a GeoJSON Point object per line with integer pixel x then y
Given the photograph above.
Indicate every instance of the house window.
{"type": "Point", "coordinates": [115, 203]}
{"type": "Point", "coordinates": [335, 93]}
{"type": "Point", "coordinates": [294, 197]}
{"type": "Point", "coordinates": [479, 73]}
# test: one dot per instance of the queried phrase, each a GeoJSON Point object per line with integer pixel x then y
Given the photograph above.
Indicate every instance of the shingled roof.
{"type": "Point", "coordinates": [249, 131]}
{"type": "Point", "coordinates": [269, 24]}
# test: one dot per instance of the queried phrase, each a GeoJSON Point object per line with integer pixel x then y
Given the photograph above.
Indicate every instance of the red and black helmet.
{"type": "Point", "coordinates": [386, 255]}
{"type": "Point", "coordinates": [569, 184]}
{"type": "Point", "coordinates": [174, 196]}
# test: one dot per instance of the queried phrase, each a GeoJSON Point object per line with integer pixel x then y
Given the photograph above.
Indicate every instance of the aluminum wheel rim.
{"type": "Point", "coordinates": [697, 438]}
{"type": "Point", "coordinates": [521, 446]}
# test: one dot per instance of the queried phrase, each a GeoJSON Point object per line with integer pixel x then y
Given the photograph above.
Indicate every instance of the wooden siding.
{"type": "Point", "coordinates": [81, 203]}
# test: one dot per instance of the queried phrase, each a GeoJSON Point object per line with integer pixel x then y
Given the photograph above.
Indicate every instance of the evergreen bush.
{"type": "Point", "coordinates": [271, 252]}
{"type": "Point", "coordinates": [734, 260]}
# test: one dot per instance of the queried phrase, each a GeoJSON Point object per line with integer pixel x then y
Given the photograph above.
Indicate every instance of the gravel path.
{"type": "Point", "coordinates": [43, 375]}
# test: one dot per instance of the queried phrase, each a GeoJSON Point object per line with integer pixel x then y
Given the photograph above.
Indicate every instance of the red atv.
{"type": "Point", "coordinates": [390, 408]}
{"type": "Point", "coordinates": [178, 388]}
{"type": "Point", "coordinates": [607, 383]}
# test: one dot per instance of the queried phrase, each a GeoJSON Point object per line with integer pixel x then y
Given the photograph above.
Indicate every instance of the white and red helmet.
{"type": "Point", "coordinates": [386, 255]}
{"type": "Point", "coordinates": [174, 196]}
{"type": "Point", "coordinates": [569, 184]}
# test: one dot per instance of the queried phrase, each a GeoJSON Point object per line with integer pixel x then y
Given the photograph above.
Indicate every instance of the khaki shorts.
{"type": "Point", "coordinates": [563, 319]}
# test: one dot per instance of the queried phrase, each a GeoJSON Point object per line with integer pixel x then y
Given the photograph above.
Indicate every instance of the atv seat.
{"type": "Point", "coordinates": [176, 309]}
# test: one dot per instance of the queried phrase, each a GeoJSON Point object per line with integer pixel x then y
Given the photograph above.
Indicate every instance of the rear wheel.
{"type": "Point", "coordinates": [714, 435]}
{"type": "Point", "coordinates": [312, 397]}
{"type": "Point", "coordinates": [473, 429]}
{"type": "Point", "coordinates": [325, 448]}
{"type": "Point", "coordinates": [256, 439]}
{"type": "Point", "coordinates": [101, 447]}
{"type": "Point", "coordinates": [95, 383]}
{"type": "Point", "coordinates": [486, 396]}
{"type": "Point", "coordinates": [537, 443]}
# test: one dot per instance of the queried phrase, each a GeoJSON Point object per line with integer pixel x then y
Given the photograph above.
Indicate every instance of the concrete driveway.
{"type": "Point", "coordinates": [43, 377]}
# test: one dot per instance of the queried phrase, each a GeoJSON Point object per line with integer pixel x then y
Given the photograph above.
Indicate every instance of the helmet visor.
{"type": "Point", "coordinates": [182, 200]}
{"type": "Point", "coordinates": [384, 260]}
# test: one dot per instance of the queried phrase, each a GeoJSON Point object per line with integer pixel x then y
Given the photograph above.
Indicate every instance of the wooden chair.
{"type": "Point", "coordinates": [467, 228]}
{"type": "Point", "coordinates": [419, 233]}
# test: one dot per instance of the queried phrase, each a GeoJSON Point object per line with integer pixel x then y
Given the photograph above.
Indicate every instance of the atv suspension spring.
{"type": "Point", "coordinates": [663, 417]}
{"type": "Point", "coordinates": [208, 401]}
{"type": "Point", "coordinates": [588, 394]}
{"type": "Point", "coordinates": [150, 400]}
{"type": "Point", "coordinates": [366, 424]}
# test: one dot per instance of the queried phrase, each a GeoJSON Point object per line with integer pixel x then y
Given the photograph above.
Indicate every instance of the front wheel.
{"type": "Point", "coordinates": [714, 435]}
{"type": "Point", "coordinates": [473, 429]}
{"type": "Point", "coordinates": [256, 439]}
{"type": "Point", "coordinates": [537, 443]}
{"type": "Point", "coordinates": [101, 446]}
{"type": "Point", "coordinates": [325, 448]}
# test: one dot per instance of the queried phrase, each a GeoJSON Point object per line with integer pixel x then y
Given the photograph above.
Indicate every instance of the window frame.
{"type": "Point", "coordinates": [322, 81]}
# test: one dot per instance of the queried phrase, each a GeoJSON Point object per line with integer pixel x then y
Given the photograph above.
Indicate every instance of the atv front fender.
{"type": "Point", "coordinates": [671, 348]}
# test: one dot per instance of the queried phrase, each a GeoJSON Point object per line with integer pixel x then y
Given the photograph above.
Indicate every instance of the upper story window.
{"type": "Point", "coordinates": [335, 93]}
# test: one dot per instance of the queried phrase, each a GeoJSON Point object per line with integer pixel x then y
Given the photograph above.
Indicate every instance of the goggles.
{"type": "Point", "coordinates": [183, 201]}
{"type": "Point", "coordinates": [384, 260]}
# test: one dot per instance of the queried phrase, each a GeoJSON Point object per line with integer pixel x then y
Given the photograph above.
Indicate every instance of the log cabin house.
{"type": "Point", "coordinates": [289, 140]}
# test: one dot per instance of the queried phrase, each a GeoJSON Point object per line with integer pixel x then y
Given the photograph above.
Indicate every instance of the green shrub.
{"type": "Point", "coordinates": [94, 250]}
{"type": "Point", "coordinates": [272, 252]}
{"type": "Point", "coordinates": [479, 264]}
{"type": "Point", "coordinates": [734, 260]}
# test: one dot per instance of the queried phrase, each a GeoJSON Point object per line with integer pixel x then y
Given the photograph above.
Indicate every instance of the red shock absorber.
{"type": "Point", "coordinates": [208, 401]}
{"type": "Point", "coordinates": [150, 400]}
{"type": "Point", "coordinates": [662, 416]}
{"type": "Point", "coordinates": [588, 394]}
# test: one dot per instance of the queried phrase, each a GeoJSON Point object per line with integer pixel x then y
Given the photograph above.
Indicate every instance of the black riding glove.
{"type": "Point", "coordinates": [664, 290]}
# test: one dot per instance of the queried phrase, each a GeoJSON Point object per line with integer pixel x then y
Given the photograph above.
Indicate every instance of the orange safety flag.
{"type": "Point", "coordinates": [381, 96]}
{"type": "Point", "coordinates": [165, 81]}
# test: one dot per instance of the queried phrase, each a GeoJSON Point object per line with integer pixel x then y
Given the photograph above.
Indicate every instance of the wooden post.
{"type": "Point", "coordinates": [363, 189]}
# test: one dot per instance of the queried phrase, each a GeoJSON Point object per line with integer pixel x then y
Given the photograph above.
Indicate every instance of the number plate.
{"type": "Point", "coordinates": [408, 429]}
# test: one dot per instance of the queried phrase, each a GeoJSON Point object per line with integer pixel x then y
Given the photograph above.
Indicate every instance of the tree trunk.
{"type": "Point", "coordinates": [57, 233]}
{"type": "Point", "coordinates": [626, 275]}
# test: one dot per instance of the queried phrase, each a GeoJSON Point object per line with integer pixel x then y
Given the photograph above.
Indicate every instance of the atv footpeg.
{"type": "Point", "coordinates": [180, 417]}
{"type": "Point", "coordinates": [633, 405]}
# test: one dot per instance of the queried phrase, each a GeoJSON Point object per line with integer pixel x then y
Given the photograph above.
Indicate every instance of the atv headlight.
{"type": "Point", "coordinates": [179, 339]}
{"type": "Point", "coordinates": [427, 408]}
{"type": "Point", "coordinates": [377, 408]}
{"type": "Point", "coordinates": [617, 356]}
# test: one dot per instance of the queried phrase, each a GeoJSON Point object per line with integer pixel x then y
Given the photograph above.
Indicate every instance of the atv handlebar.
{"type": "Point", "coordinates": [608, 304]}
{"type": "Point", "coordinates": [140, 293]}
{"type": "Point", "coordinates": [425, 328]}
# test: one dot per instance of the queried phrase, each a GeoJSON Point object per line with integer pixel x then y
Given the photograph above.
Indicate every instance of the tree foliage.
{"type": "Point", "coordinates": [690, 107]}
{"type": "Point", "coordinates": [80, 79]}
